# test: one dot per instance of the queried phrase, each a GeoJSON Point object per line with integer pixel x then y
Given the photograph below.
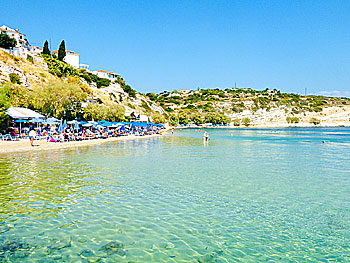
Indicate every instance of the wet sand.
{"type": "Point", "coordinates": [8, 147]}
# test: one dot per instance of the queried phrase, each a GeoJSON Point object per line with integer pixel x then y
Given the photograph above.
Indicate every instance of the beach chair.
{"type": "Point", "coordinates": [51, 139]}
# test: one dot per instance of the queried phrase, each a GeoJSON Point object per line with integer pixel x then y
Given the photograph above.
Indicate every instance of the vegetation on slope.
{"type": "Point", "coordinates": [214, 106]}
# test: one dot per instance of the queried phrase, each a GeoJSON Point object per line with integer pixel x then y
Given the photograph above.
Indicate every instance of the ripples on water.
{"type": "Point", "coordinates": [258, 195]}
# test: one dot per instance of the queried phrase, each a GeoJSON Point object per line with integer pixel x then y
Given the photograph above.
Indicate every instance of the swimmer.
{"type": "Point", "coordinates": [206, 136]}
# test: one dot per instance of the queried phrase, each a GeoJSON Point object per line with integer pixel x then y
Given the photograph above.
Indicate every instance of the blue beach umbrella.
{"type": "Point", "coordinates": [52, 121]}
{"type": "Point", "coordinates": [94, 123]}
{"type": "Point", "coordinates": [37, 120]}
{"type": "Point", "coordinates": [60, 128]}
{"type": "Point", "coordinates": [20, 121]}
{"type": "Point", "coordinates": [76, 126]}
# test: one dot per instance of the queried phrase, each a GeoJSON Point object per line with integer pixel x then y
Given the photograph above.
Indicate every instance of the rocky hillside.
{"type": "Point", "coordinates": [236, 107]}
{"type": "Point", "coordinates": [37, 71]}
{"type": "Point", "coordinates": [247, 107]}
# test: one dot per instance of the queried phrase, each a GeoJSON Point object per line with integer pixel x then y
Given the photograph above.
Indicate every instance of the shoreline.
{"type": "Point", "coordinates": [23, 145]}
{"type": "Point", "coordinates": [268, 126]}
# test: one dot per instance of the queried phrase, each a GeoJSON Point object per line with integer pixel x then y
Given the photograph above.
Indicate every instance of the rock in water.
{"type": "Point", "coordinates": [114, 248]}
{"type": "Point", "coordinates": [169, 245]}
{"type": "Point", "coordinates": [16, 249]}
{"type": "Point", "coordinates": [58, 245]}
{"type": "Point", "coordinates": [209, 258]}
{"type": "Point", "coordinates": [87, 253]}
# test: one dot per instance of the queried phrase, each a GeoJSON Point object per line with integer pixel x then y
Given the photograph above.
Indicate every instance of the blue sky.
{"type": "Point", "coordinates": [167, 45]}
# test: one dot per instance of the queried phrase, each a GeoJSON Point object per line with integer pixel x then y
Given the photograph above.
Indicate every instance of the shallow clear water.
{"type": "Point", "coordinates": [248, 196]}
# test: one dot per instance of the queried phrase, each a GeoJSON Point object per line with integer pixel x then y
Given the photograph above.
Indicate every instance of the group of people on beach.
{"type": "Point", "coordinates": [69, 133]}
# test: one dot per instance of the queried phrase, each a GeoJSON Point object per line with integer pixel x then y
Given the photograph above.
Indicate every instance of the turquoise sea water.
{"type": "Point", "coordinates": [276, 195]}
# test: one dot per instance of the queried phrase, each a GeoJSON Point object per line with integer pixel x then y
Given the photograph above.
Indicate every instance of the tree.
{"type": "Point", "coordinates": [158, 118]}
{"type": "Point", "coordinates": [237, 122]}
{"type": "Point", "coordinates": [46, 50]}
{"type": "Point", "coordinates": [7, 42]}
{"type": "Point", "coordinates": [58, 99]}
{"type": "Point", "coordinates": [61, 51]}
{"type": "Point", "coordinates": [315, 121]}
{"type": "Point", "coordinates": [183, 118]}
{"type": "Point", "coordinates": [115, 113]}
{"type": "Point", "coordinates": [173, 119]}
{"type": "Point", "coordinates": [14, 78]}
{"type": "Point", "coordinates": [246, 121]}
{"type": "Point", "coordinates": [196, 118]}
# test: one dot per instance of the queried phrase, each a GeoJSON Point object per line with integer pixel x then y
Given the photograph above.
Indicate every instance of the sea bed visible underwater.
{"type": "Point", "coordinates": [277, 195]}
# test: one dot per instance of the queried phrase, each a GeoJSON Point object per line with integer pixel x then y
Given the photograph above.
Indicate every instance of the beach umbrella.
{"type": "Point", "coordinates": [76, 126]}
{"type": "Point", "coordinates": [87, 125]}
{"type": "Point", "coordinates": [64, 124]}
{"type": "Point", "coordinates": [94, 123]}
{"type": "Point", "coordinates": [60, 128]}
{"type": "Point", "coordinates": [20, 121]}
{"type": "Point", "coordinates": [37, 120]}
{"type": "Point", "coordinates": [71, 122]}
{"type": "Point", "coordinates": [52, 121]}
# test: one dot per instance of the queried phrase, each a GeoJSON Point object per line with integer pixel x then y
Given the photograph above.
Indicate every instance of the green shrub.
{"type": "Point", "coordinates": [14, 78]}
{"type": "Point", "coordinates": [129, 90]}
{"type": "Point", "coordinates": [131, 106]}
{"type": "Point", "coordinates": [158, 118]}
{"type": "Point", "coordinates": [246, 121]}
{"type": "Point", "coordinates": [196, 118]}
{"type": "Point", "coordinates": [30, 59]}
{"type": "Point", "coordinates": [183, 118]}
{"type": "Point", "coordinates": [173, 119]}
{"type": "Point", "coordinates": [62, 69]}
{"type": "Point", "coordinates": [102, 82]}
{"type": "Point", "coordinates": [7, 42]}
{"type": "Point", "coordinates": [145, 106]}
{"type": "Point", "coordinates": [237, 122]}
{"type": "Point", "coordinates": [292, 119]}
{"type": "Point", "coordinates": [315, 121]}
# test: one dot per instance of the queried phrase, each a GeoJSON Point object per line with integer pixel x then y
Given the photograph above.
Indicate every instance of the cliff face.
{"type": "Point", "coordinates": [278, 117]}
{"type": "Point", "coordinates": [35, 71]}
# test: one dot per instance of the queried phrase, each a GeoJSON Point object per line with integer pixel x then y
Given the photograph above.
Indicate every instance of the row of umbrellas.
{"type": "Point", "coordinates": [76, 123]}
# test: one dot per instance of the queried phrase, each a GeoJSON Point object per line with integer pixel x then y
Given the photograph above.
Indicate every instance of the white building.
{"type": "Point", "coordinates": [36, 50]}
{"type": "Point", "coordinates": [84, 66]}
{"type": "Point", "coordinates": [72, 58]}
{"type": "Point", "coordinates": [101, 73]}
{"type": "Point", "coordinates": [22, 42]}
{"type": "Point", "coordinates": [105, 74]}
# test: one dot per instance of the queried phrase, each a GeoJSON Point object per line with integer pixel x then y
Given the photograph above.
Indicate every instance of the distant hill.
{"type": "Point", "coordinates": [248, 107]}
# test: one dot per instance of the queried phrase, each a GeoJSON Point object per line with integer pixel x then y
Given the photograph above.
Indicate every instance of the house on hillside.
{"type": "Point", "coordinates": [22, 48]}
{"type": "Point", "coordinates": [106, 74]}
{"type": "Point", "coordinates": [84, 66]}
{"type": "Point", "coordinates": [172, 106]}
{"type": "Point", "coordinates": [101, 73]}
{"type": "Point", "coordinates": [36, 50]}
{"type": "Point", "coordinates": [22, 42]}
{"type": "Point", "coordinates": [72, 58]}
{"type": "Point", "coordinates": [184, 91]}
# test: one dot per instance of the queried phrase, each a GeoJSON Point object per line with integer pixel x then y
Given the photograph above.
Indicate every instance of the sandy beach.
{"type": "Point", "coordinates": [7, 147]}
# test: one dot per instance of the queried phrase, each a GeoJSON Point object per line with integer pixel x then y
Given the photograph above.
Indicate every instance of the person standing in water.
{"type": "Point", "coordinates": [206, 136]}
